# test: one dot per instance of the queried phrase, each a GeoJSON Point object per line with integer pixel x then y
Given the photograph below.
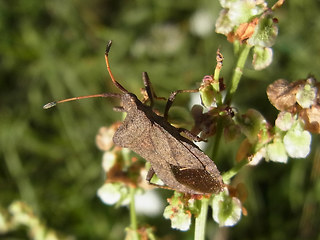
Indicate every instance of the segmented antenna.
{"type": "Point", "coordinates": [103, 95]}
{"type": "Point", "coordinates": [50, 105]}
{"type": "Point", "coordinates": [118, 85]}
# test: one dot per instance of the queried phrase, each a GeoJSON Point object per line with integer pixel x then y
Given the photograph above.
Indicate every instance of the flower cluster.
{"type": "Point", "coordinates": [301, 98]}
{"type": "Point", "coordinates": [226, 208]}
{"type": "Point", "coordinates": [179, 211]}
{"type": "Point", "coordinates": [299, 105]}
{"type": "Point", "coordinates": [250, 22]}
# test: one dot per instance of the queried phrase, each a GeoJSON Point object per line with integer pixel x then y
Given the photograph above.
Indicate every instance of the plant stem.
{"type": "Point", "coordinates": [133, 215]}
{"type": "Point", "coordinates": [233, 171]}
{"type": "Point", "coordinates": [237, 72]}
{"type": "Point", "coordinates": [202, 218]}
{"type": "Point", "coordinates": [200, 225]}
{"type": "Point", "coordinates": [217, 138]}
{"type": "Point", "coordinates": [234, 85]}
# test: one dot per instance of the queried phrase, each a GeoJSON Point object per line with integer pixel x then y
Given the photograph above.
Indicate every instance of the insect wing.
{"type": "Point", "coordinates": [189, 165]}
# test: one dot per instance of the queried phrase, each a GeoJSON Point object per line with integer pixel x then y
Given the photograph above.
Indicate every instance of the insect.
{"type": "Point", "coordinates": [175, 159]}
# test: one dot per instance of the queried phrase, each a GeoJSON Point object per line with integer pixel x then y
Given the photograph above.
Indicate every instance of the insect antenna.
{"type": "Point", "coordinates": [104, 95]}
{"type": "Point", "coordinates": [118, 85]}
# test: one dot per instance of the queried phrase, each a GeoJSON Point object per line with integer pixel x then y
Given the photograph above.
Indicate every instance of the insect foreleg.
{"type": "Point", "coordinates": [148, 88]}
{"type": "Point", "coordinates": [172, 97]}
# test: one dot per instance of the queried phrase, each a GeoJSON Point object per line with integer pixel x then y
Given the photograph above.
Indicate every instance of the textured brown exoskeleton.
{"type": "Point", "coordinates": [176, 160]}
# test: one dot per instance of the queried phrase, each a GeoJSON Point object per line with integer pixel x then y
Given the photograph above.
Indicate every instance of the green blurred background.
{"type": "Point", "coordinates": [55, 49]}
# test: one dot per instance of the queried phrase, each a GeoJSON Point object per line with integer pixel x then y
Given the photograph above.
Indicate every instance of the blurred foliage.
{"type": "Point", "coordinates": [55, 49]}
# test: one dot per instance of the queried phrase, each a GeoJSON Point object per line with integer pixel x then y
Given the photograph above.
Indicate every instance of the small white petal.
{"type": "Point", "coordinates": [149, 203]}
{"type": "Point", "coordinates": [109, 193]}
{"type": "Point", "coordinates": [297, 143]}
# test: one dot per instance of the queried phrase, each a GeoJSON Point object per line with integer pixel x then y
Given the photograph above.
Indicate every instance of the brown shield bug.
{"type": "Point", "coordinates": [175, 159]}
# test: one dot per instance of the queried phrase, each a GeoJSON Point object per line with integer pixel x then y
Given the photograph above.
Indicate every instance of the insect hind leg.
{"type": "Point", "coordinates": [191, 135]}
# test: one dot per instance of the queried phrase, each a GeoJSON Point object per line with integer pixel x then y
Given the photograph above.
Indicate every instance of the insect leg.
{"type": "Point", "coordinates": [172, 97]}
{"type": "Point", "coordinates": [150, 174]}
{"type": "Point", "coordinates": [149, 177]}
{"type": "Point", "coordinates": [148, 88]}
{"type": "Point", "coordinates": [190, 135]}
{"type": "Point", "coordinates": [118, 109]}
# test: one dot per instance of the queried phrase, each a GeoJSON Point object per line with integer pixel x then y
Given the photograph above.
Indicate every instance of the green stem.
{"type": "Point", "coordinates": [233, 171]}
{"type": "Point", "coordinates": [234, 85]}
{"type": "Point", "coordinates": [238, 72]}
{"type": "Point", "coordinates": [202, 218]}
{"type": "Point", "coordinates": [217, 139]}
{"type": "Point", "coordinates": [133, 215]}
{"type": "Point", "coordinates": [200, 225]}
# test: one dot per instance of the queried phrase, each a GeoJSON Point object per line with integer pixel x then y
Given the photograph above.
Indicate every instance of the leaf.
{"type": "Point", "coordinates": [246, 30]}
{"type": "Point", "coordinates": [262, 57]}
{"type": "Point", "coordinates": [111, 193]}
{"type": "Point", "coordinates": [282, 94]}
{"type": "Point", "coordinates": [297, 143]}
{"type": "Point", "coordinates": [306, 96]}
{"type": "Point", "coordinates": [276, 152]}
{"type": "Point", "coordinates": [226, 210]}
{"type": "Point", "coordinates": [253, 125]}
{"type": "Point", "coordinates": [223, 24]}
{"type": "Point", "coordinates": [285, 121]}
{"type": "Point", "coordinates": [311, 117]}
{"type": "Point", "coordinates": [265, 33]}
